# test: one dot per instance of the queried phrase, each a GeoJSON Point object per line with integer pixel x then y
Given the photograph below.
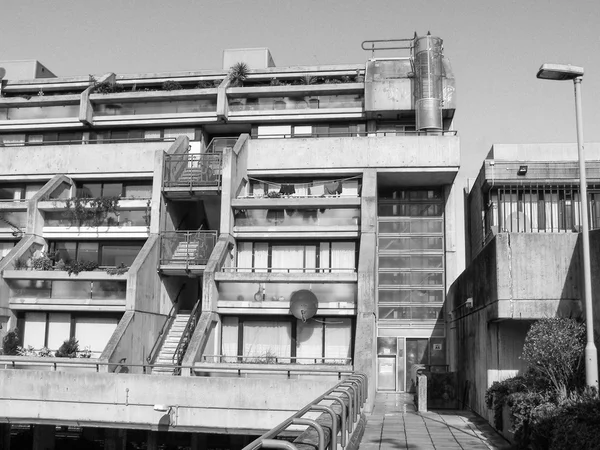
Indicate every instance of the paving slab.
{"type": "Point", "coordinates": [395, 424]}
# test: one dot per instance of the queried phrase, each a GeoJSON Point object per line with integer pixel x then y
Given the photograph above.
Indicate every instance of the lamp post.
{"type": "Point", "coordinates": [563, 72]}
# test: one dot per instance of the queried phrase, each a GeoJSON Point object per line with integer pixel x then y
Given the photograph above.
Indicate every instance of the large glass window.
{"type": "Point", "coordinates": [322, 340]}
{"type": "Point", "coordinates": [410, 255]}
{"type": "Point", "coordinates": [293, 258]}
{"type": "Point", "coordinates": [124, 189]}
{"type": "Point", "coordinates": [109, 254]}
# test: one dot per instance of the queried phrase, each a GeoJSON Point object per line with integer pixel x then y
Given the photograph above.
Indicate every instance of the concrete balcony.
{"type": "Point", "coordinates": [521, 276]}
{"type": "Point", "coordinates": [192, 175]}
{"type": "Point", "coordinates": [437, 156]}
{"type": "Point", "coordinates": [108, 158]}
{"type": "Point", "coordinates": [199, 404]}
{"type": "Point", "coordinates": [185, 252]}
{"type": "Point", "coordinates": [37, 290]}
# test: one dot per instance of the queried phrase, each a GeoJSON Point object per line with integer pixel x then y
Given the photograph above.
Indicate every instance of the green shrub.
{"type": "Point", "coordinates": [577, 425]}
{"type": "Point", "coordinates": [522, 407]}
{"type": "Point", "coordinates": [554, 351]}
{"type": "Point", "coordinates": [68, 349]}
{"type": "Point", "coordinates": [238, 73]}
{"type": "Point", "coordinates": [497, 395]}
{"type": "Point", "coordinates": [171, 85]}
{"type": "Point", "coordinates": [10, 342]}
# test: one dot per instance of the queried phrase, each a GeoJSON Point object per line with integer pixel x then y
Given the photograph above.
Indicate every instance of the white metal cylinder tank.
{"type": "Point", "coordinates": [428, 82]}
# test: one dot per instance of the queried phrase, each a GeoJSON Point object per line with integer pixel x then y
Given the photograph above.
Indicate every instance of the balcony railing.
{"type": "Point", "coordinates": [186, 248]}
{"type": "Point", "coordinates": [67, 289]}
{"type": "Point", "coordinates": [300, 217]}
{"type": "Point", "coordinates": [325, 134]}
{"type": "Point", "coordinates": [192, 170]}
{"type": "Point", "coordinates": [232, 359]}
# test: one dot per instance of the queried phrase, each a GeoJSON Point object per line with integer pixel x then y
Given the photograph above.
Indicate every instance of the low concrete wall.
{"type": "Point", "coordinates": [73, 159]}
{"type": "Point", "coordinates": [127, 401]}
{"type": "Point", "coordinates": [354, 152]}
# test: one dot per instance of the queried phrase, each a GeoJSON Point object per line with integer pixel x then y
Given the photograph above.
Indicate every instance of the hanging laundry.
{"type": "Point", "coordinates": [287, 189]}
{"type": "Point", "coordinates": [333, 188]}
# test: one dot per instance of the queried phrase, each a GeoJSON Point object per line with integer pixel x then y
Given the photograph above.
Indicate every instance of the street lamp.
{"type": "Point", "coordinates": [563, 72]}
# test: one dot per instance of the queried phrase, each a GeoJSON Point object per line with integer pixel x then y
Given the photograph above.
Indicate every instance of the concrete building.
{"type": "Point", "coordinates": [253, 240]}
{"type": "Point", "coordinates": [524, 259]}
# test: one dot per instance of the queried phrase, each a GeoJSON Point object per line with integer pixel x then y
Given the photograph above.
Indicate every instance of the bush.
{"type": "Point", "coordinates": [171, 85]}
{"type": "Point", "coordinates": [577, 425]}
{"type": "Point", "coordinates": [68, 349]}
{"type": "Point", "coordinates": [496, 396]}
{"type": "Point", "coordinates": [238, 73]}
{"type": "Point", "coordinates": [43, 262]}
{"type": "Point", "coordinates": [10, 342]}
{"type": "Point", "coordinates": [554, 352]}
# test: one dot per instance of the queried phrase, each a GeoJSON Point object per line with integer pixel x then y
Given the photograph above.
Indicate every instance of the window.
{"type": "Point", "coordinates": [106, 254]}
{"type": "Point", "coordinates": [296, 258]}
{"type": "Point", "coordinates": [41, 329]}
{"type": "Point", "coordinates": [410, 255]}
{"type": "Point", "coordinates": [287, 340]}
{"type": "Point", "coordinates": [137, 189]}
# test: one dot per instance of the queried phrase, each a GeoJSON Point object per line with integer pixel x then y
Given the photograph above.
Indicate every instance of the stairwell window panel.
{"type": "Point", "coordinates": [266, 340]}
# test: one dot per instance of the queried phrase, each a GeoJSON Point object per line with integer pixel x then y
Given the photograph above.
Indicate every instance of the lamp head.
{"type": "Point", "coordinates": [559, 72]}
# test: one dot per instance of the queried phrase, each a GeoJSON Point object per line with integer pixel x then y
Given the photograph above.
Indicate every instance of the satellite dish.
{"type": "Point", "coordinates": [303, 304]}
{"type": "Point", "coordinates": [2, 72]}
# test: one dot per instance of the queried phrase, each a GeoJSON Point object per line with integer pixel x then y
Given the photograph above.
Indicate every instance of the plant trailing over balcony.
{"type": "Point", "coordinates": [74, 267]}
{"type": "Point", "coordinates": [106, 87]}
{"type": "Point", "coordinates": [10, 342]}
{"type": "Point", "coordinates": [68, 349]}
{"type": "Point", "coordinates": [119, 270]}
{"type": "Point", "coordinates": [91, 211]}
{"type": "Point", "coordinates": [238, 73]}
{"type": "Point", "coordinates": [171, 85]}
{"type": "Point", "coordinates": [43, 262]}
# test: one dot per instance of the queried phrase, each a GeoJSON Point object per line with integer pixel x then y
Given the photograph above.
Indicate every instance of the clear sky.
{"type": "Point", "coordinates": [495, 48]}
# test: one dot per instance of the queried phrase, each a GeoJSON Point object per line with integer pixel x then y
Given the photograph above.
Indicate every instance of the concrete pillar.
{"type": "Point", "coordinates": [364, 348]}
{"type": "Point", "coordinates": [153, 440]}
{"type": "Point", "coordinates": [4, 436]}
{"type": "Point", "coordinates": [43, 437]}
{"type": "Point", "coordinates": [114, 439]}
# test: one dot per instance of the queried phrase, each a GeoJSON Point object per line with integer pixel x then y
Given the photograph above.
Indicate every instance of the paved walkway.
{"type": "Point", "coordinates": [394, 424]}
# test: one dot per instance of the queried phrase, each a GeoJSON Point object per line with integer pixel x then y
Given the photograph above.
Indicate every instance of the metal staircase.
{"type": "Point", "coordinates": [185, 252]}
{"type": "Point", "coordinates": [170, 344]}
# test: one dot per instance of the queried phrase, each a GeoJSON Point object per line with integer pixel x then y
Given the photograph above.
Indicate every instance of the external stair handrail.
{"type": "Point", "coordinates": [161, 333]}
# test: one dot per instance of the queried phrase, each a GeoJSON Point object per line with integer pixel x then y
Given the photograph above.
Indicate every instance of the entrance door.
{"type": "Point", "coordinates": [417, 352]}
{"type": "Point", "coordinates": [386, 373]}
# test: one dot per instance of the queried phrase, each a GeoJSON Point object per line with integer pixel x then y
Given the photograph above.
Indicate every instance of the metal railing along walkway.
{"type": "Point", "coordinates": [348, 398]}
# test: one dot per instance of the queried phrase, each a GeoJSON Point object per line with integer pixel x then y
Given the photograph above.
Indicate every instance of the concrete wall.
{"type": "Point", "coordinates": [127, 401]}
{"type": "Point", "coordinates": [516, 279]}
{"type": "Point", "coordinates": [73, 159]}
{"type": "Point", "coordinates": [354, 152]}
